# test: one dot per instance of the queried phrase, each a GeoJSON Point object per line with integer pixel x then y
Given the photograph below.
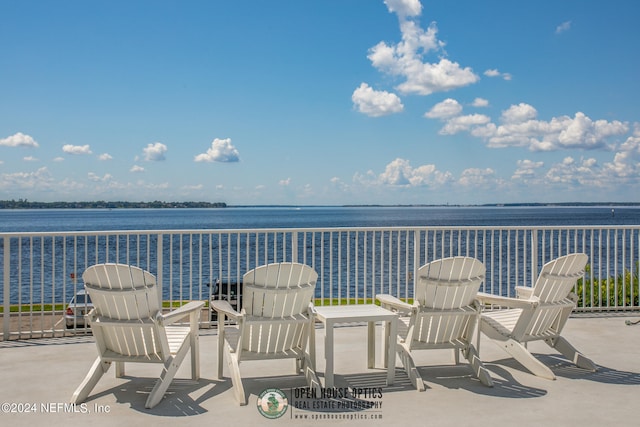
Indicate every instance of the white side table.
{"type": "Point", "coordinates": [370, 313]}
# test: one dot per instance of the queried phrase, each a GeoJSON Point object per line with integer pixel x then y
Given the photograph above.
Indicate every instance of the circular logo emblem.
{"type": "Point", "coordinates": [272, 403]}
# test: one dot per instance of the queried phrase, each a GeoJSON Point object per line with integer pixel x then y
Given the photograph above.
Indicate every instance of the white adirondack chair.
{"type": "Point", "coordinates": [538, 313]}
{"type": "Point", "coordinates": [276, 322]}
{"type": "Point", "coordinates": [128, 326]}
{"type": "Point", "coordinates": [443, 315]}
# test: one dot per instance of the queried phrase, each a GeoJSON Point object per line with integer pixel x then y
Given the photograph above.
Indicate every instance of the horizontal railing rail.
{"type": "Point", "coordinates": [41, 272]}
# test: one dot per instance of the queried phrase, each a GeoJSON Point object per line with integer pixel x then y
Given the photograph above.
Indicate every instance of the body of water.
{"type": "Point", "coordinates": [47, 269]}
{"type": "Point", "coordinates": [309, 217]}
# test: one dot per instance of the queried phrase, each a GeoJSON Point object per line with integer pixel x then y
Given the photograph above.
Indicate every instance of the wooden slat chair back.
{"type": "Point", "coordinates": [126, 303]}
{"type": "Point", "coordinates": [449, 283]}
{"type": "Point", "coordinates": [278, 290]}
{"type": "Point", "coordinates": [551, 293]}
{"type": "Point", "coordinates": [558, 277]}
{"type": "Point", "coordinates": [443, 315]}
{"type": "Point", "coordinates": [276, 321]}
{"type": "Point", "coordinates": [445, 293]}
{"type": "Point", "coordinates": [539, 313]}
{"type": "Point", "coordinates": [128, 326]}
{"type": "Point", "coordinates": [276, 300]}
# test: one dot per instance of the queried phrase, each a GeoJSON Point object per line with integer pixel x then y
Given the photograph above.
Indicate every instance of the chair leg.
{"type": "Point", "coordinates": [568, 351]}
{"type": "Point", "coordinates": [96, 372]}
{"type": "Point", "coordinates": [310, 374]}
{"type": "Point", "coordinates": [526, 359]}
{"type": "Point", "coordinates": [221, 344]}
{"type": "Point", "coordinates": [170, 369]}
{"type": "Point", "coordinates": [236, 379]}
{"type": "Point", "coordinates": [120, 369]}
{"type": "Point", "coordinates": [194, 345]}
{"type": "Point", "coordinates": [478, 368]}
{"type": "Point", "coordinates": [410, 368]}
{"type": "Point", "coordinates": [168, 372]}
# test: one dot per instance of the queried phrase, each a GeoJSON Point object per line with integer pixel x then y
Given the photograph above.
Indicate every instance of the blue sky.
{"type": "Point", "coordinates": [320, 102]}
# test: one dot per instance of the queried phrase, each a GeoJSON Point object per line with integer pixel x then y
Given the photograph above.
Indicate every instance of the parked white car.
{"type": "Point", "coordinates": [78, 307]}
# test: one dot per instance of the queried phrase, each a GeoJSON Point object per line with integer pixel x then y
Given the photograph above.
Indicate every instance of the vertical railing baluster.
{"type": "Point", "coordinates": [6, 287]}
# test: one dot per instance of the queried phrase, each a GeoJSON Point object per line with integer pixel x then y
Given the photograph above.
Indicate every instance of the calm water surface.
{"type": "Point", "coordinates": [308, 217]}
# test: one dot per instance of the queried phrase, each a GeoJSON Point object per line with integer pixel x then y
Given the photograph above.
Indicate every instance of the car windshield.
{"type": "Point", "coordinates": [83, 299]}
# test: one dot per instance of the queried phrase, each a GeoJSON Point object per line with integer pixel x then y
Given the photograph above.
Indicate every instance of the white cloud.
{"type": "Point", "coordinates": [526, 169]}
{"type": "Point", "coordinates": [58, 159]}
{"type": "Point", "coordinates": [406, 59]}
{"type": "Point", "coordinates": [464, 123]}
{"type": "Point", "coordinates": [221, 151]}
{"type": "Point", "coordinates": [626, 162]}
{"type": "Point", "coordinates": [30, 159]}
{"type": "Point", "coordinates": [152, 186]}
{"type": "Point", "coordinates": [376, 103]}
{"type": "Point", "coordinates": [476, 177]}
{"type": "Point", "coordinates": [565, 26]}
{"type": "Point", "coordinates": [443, 76]}
{"type": "Point", "coordinates": [94, 177]}
{"type": "Point", "coordinates": [136, 169]}
{"type": "Point", "coordinates": [404, 8]}
{"type": "Point", "coordinates": [495, 73]}
{"type": "Point", "coordinates": [196, 187]}
{"type": "Point", "coordinates": [521, 128]}
{"type": "Point", "coordinates": [76, 149]}
{"type": "Point", "coordinates": [285, 182]}
{"type": "Point", "coordinates": [480, 102]}
{"type": "Point", "coordinates": [576, 173]}
{"type": "Point", "coordinates": [519, 113]}
{"type": "Point", "coordinates": [400, 173]}
{"type": "Point", "coordinates": [445, 109]}
{"type": "Point", "coordinates": [39, 180]}
{"type": "Point", "coordinates": [154, 152]}
{"type": "Point", "coordinates": [18, 140]}
{"type": "Point", "coordinates": [105, 156]}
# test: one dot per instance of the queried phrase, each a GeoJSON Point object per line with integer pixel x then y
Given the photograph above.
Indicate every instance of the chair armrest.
{"type": "Point", "coordinates": [506, 301]}
{"type": "Point", "coordinates": [223, 307]}
{"type": "Point", "coordinates": [392, 303]}
{"type": "Point", "coordinates": [573, 297]}
{"type": "Point", "coordinates": [311, 309]}
{"type": "Point", "coordinates": [181, 312]}
{"type": "Point", "coordinates": [523, 292]}
{"type": "Point", "coordinates": [92, 314]}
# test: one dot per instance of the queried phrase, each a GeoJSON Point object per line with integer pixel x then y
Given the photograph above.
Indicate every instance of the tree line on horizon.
{"type": "Point", "coordinates": [101, 204]}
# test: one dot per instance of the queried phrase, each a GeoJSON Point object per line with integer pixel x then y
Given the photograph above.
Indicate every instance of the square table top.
{"type": "Point", "coordinates": [353, 313]}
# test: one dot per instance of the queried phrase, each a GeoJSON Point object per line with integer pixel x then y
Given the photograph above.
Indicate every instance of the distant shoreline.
{"type": "Point", "coordinates": [24, 204]}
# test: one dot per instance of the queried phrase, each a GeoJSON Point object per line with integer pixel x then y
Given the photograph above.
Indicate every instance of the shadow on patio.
{"type": "Point", "coordinates": [45, 372]}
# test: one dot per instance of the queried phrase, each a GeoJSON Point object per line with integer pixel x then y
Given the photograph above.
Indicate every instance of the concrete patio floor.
{"type": "Point", "coordinates": [41, 374]}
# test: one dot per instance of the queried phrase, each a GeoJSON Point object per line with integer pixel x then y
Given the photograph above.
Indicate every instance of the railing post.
{"type": "Point", "coordinates": [294, 246]}
{"type": "Point", "coordinates": [159, 269]}
{"type": "Point", "coordinates": [534, 255]}
{"type": "Point", "coordinates": [416, 256]}
{"type": "Point", "coordinates": [6, 314]}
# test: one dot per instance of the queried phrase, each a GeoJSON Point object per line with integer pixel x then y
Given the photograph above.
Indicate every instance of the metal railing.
{"type": "Point", "coordinates": [40, 272]}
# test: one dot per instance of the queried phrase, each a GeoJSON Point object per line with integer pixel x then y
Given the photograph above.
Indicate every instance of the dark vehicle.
{"type": "Point", "coordinates": [226, 291]}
